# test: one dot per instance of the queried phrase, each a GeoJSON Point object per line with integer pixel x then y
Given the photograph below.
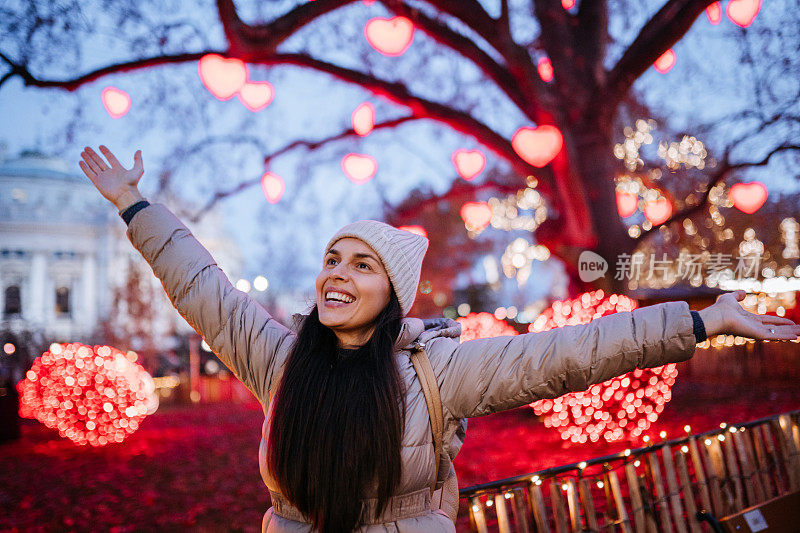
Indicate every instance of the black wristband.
{"type": "Point", "coordinates": [698, 327]}
{"type": "Point", "coordinates": [127, 215]}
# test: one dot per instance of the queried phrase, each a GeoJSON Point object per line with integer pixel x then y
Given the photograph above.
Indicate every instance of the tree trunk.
{"type": "Point", "coordinates": [593, 166]}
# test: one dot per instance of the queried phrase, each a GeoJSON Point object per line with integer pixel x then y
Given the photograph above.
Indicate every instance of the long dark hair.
{"type": "Point", "coordinates": [338, 422]}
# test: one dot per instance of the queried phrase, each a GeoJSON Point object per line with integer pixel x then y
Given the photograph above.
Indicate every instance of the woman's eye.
{"type": "Point", "coordinates": [330, 259]}
{"type": "Point", "coordinates": [364, 264]}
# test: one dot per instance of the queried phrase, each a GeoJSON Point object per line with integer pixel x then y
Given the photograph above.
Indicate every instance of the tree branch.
{"type": "Point", "coordinates": [442, 34]}
{"type": "Point", "coordinates": [473, 15]}
{"type": "Point", "coordinates": [394, 91]}
{"type": "Point", "coordinates": [662, 31]}
{"type": "Point", "coordinates": [245, 39]}
{"type": "Point", "coordinates": [505, 20]}
{"type": "Point", "coordinates": [309, 144]}
{"type": "Point", "coordinates": [724, 169]}
{"type": "Point", "coordinates": [410, 209]}
{"type": "Point", "coordinates": [420, 107]}
{"type": "Point", "coordinates": [74, 83]}
{"type": "Point", "coordinates": [520, 66]}
{"type": "Point", "coordinates": [558, 40]}
{"type": "Point", "coordinates": [591, 38]}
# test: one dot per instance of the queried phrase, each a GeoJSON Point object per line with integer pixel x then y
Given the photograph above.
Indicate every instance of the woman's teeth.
{"type": "Point", "coordinates": [338, 296]}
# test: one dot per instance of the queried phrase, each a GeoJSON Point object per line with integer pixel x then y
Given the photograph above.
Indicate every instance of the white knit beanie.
{"type": "Point", "coordinates": [400, 251]}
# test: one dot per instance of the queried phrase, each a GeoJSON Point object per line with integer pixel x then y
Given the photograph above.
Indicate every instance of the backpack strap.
{"type": "Point", "coordinates": [431, 391]}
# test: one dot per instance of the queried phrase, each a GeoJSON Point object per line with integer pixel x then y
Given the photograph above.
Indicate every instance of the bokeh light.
{"type": "Point", "coordinates": [620, 408]}
{"type": "Point", "coordinates": [90, 395]}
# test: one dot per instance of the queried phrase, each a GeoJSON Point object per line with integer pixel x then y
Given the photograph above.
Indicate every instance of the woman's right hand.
{"type": "Point", "coordinates": [116, 183]}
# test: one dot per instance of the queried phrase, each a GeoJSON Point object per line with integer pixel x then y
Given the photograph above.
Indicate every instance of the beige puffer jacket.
{"type": "Point", "coordinates": [475, 378]}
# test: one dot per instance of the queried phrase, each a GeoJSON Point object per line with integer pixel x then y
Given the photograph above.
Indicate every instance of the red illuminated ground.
{"type": "Point", "coordinates": [198, 467]}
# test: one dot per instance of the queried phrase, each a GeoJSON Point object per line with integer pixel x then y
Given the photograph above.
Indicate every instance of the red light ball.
{"type": "Point", "coordinates": [90, 395]}
{"type": "Point", "coordinates": [623, 407]}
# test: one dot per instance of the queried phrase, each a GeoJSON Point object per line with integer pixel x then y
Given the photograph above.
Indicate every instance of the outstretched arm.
{"type": "Point", "coordinates": [484, 376]}
{"type": "Point", "coordinates": [244, 336]}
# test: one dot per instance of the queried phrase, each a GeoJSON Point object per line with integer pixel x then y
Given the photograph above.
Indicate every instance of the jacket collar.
{"type": "Point", "coordinates": [413, 331]}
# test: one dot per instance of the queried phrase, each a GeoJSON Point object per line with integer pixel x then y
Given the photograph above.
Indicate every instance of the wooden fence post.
{"type": "Point", "coordinates": [502, 513]}
{"type": "Point", "coordinates": [700, 475]}
{"type": "Point", "coordinates": [792, 432]}
{"type": "Point", "coordinates": [786, 448]}
{"type": "Point", "coordinates": [476, 509]}
{"type": "Point", "coordinates": [557, 502]}
{"type": "Point", "coordinates": [752, 484]}
{"type": "Point", "coordinates": [521, 511]}
{"type": "Point", "coordinates": [688, 495]}
{"type": "Point", "coordinates": [723, 501]}
{"type": "Point", "coordinates": [539, 509]}
{"type": "Point", "coordinates": [573, 505]}
{"type": "Point", "coordinates": [585, 490]}
{"type": "Point", "coordinates": [661, 499]}
{"type": "Point", "coordinates": [634, 494]}
{"type": "Point", "coordinates": [674, 491]}
{"type": "Point", "coordinates": [733, 471]}
{"type": "Point", "coordinates": [776, 458]}
{"type": "Point", "coordinates": [762, 462]}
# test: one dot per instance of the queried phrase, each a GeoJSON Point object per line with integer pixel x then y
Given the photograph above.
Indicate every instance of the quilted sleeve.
{"type": "Point", "coordinates": [483, 376]}
{"type": "Point", "coordinates": [239, 331]}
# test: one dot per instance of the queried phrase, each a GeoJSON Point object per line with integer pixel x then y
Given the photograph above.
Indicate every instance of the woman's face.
{"type": "Point", "coordinates": [351, 271]}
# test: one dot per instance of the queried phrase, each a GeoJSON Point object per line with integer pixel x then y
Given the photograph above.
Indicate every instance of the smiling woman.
{"type": "Point", "coordinates": [347, 440]}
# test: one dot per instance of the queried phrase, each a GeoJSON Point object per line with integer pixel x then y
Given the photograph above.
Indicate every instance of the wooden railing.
{"type": "Point", "coordinates": [657, 488]}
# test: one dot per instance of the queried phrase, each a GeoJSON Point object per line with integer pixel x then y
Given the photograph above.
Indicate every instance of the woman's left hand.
{"type": "Point", "coordinates": [727, 317]}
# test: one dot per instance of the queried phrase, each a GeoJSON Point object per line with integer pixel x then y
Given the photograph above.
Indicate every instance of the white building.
{"type": "Point", "coordinates": [63, 249]}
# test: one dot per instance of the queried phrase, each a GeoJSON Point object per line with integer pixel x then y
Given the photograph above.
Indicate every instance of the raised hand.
{"type": "Point", "coordinates": [116, 183]}
{"type": "Point", "coordinates": [727, 317]}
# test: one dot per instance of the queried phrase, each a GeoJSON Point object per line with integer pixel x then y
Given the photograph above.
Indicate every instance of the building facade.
{"type": "Point", "coordinates": [63, 250]}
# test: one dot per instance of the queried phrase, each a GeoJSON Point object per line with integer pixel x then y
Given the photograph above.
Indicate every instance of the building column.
{"type": "Point", "coordinates": [35, 310]}
{"type": "Point", "coordinates": [86, 316]}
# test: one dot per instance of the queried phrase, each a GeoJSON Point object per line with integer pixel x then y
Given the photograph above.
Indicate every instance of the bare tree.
{"type": "Point", "coordinates": [594, 76]}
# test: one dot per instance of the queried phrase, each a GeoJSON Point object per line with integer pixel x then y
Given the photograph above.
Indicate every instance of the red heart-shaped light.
{"type": "Point", "coordinates": [223, 77]}
{"type": "Point", "coordinates": [743, 12]}
{"type": "Point", "coordinates": [468, 163]}
{"type": "Point", "coordinates": [363, 119]}
{"type": "Point", "coordinates": [116, 101]}
{"type": "Point", "coordinates": [273, 187]}
{"type": "Point", "coordinates": [391, 37]}
{"type": "Point", "coordinates": [658, 211]}
{"type": "Point", "coordinates": [567, 4]}
{"type": "Point", "coordinates": [359, 168]}
{"type": "Point", "coordinates": [714, 13]}
{"type": "Point", "coordinates": [626, 203]}
{"type": "Point", "coordinates": [417, 230]}
{"type": "Point", "coordinates": [748, 197]}
{"type": "Point", "coordinates": [665, 62]}
{"type": "Point", "coordinates": [537, 146]}
{"type": "Point", "coordinates": [256, 95]}
{"type": "Point", "coordinates": [476, 215]}
{"type": "Point", "coordinates": [545, 69]}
